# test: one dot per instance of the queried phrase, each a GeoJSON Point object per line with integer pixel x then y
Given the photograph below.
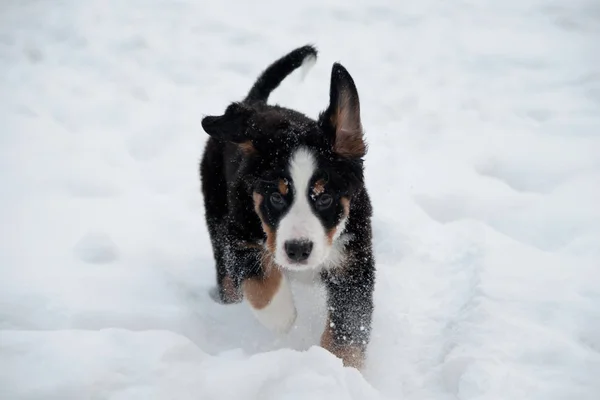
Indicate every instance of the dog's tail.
{"type": "Point", "coordinates": [270, 79]}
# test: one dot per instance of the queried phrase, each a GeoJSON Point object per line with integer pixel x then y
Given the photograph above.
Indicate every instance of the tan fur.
{"type": "Point", "coordinates": [247, 147]}
{"type": "Point", "coordinates": [346, 205]}
{"type": "Point", "coordinates": [349, 140]}
{"type": "Point", "coordinates": [260, 291]}
{"type": "Point", "coordinates": [349, 144]}
{"type": "Point", "coordinates": [283, 186]}
{"type": "Point", "coordinates": [271, 234]}
{"type": "Point", "coordinates": [319, 187]}
{"type": "Point", "coordinates": [351, 355]}
{"type": "Point", "coordinates": [331, 235]}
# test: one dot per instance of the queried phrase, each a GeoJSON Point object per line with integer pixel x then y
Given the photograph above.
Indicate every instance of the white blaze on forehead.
{"type": "Point", "coordinates": [300, 222]}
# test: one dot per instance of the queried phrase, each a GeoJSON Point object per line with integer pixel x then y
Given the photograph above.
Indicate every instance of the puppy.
{"type": "Point", "coordinates": [283, 192]}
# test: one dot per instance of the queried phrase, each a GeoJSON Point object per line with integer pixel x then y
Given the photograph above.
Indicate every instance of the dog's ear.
{"type": "Point", "coordinates": [233, 126]}
{"type": "Point", "coordinates": [341, 121]}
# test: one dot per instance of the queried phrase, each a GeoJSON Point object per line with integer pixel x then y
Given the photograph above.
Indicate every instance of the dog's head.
{"type": "Point", "coordinates": [301, 173]}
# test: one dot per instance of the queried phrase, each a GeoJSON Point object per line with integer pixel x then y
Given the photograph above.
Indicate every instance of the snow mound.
{"type": "Point", "coordinates": [120, 364]}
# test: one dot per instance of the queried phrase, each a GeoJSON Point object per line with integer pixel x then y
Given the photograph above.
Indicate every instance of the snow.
{"type": "Point", "coordinates": [119, 364]}
{"type": "Point", "coordinates": [483, 122]}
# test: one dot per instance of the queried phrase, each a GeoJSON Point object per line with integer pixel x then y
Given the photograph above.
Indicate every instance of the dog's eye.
{"type": "Point", "coordinates": [324, 201]}
{"type": "Point", "coordinates": [277, 200]}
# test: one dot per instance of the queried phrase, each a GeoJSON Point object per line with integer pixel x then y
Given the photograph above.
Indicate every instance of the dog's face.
{"type": "Point", "coordinates": [301, 173]}
{"type": "Point", "coordinates": [303, 204]}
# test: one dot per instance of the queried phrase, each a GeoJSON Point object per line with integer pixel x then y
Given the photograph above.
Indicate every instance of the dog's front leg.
{"type": "Point", "coordinates": [264, 287]}
{"type": "Point", "coordinates": [350, 305]}
{"type": "Point", "coordinates": [270, 297]}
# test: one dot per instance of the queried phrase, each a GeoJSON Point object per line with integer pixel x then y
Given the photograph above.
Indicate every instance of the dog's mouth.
{"type": "Point", "coordinates": [288, 263]}
{"type": "Point", "coordinates": [296, 264]}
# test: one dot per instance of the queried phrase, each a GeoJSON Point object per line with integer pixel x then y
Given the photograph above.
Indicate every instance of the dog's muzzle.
{"type": "Point", "coordinates": [298, 251]}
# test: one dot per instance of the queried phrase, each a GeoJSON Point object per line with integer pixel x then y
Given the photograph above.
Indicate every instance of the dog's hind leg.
{"type": "Point", "coordinates": [214, 190]}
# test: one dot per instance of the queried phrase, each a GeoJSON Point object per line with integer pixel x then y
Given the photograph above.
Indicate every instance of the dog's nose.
{"type": "Point", "coordinates": [298, 250]}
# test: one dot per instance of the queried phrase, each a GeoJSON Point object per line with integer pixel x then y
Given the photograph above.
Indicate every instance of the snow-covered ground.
{"type": "Point", "coordinates": [483, 119]}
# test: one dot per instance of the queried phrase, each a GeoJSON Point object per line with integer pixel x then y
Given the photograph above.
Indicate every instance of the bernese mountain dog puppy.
{"type": "Point", "coordinates": [284, 192]}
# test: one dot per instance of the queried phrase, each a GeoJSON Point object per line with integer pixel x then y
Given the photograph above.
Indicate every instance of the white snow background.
{"type": "Point", "coordinates": [483, 119]}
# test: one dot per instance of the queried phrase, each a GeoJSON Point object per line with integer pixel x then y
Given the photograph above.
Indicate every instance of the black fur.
{"type": "Point", "coordinates": [248, 152]}
{"type": "Point", "coordinates": [276, 73]}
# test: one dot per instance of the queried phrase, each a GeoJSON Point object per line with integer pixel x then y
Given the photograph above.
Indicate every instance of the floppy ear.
{"type": "Point", "coordinates": [341, 120]}
{"type": "Point", "coordinates": [233, 126]}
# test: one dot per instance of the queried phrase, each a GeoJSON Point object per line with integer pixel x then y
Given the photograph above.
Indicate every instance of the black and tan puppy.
{"type": "Point", "coordinates": [285, 192]}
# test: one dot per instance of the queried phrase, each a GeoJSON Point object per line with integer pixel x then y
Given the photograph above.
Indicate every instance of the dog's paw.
{"type": "Point", "coordinates": [220, 297]}
{"type": "Point", "coordinates": [278, 313]}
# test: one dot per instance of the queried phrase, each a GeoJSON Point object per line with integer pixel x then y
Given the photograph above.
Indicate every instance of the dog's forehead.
{"type": "Point", "coordinates": [293, 153]}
